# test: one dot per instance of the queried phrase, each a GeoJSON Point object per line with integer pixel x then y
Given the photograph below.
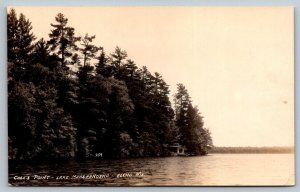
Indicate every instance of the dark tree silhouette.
{"type": "Point", "coordinates": [19, 43]}
{"type": "Point", "coordinates": [104, 103]}
{"type": "Point", "coordinates": [190, 124]}
{"type": "Point", "coordinates": [88, 50]}
{"type": "Point", "coordinates": [62, 39]}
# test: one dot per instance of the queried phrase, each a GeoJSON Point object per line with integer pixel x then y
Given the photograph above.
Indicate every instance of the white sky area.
{"type": "Point", "coordinates": [236, 62]}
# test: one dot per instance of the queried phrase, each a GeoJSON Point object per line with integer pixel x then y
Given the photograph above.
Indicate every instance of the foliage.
{"type": "Point", "coordinates": [104, 103]}
{"type": "Point", "coordinates": [62, 39]}
{"type": "Point", "coordinates": [192, 133]}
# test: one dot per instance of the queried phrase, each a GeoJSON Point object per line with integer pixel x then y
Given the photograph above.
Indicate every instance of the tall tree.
{"type": "Point", "coordinates": [162, 106]}
{"type": "Point", "coordinates": [182, 102]}
{"type": "Point", "coordinates": [118, 58]}
{"type": "Point", "coordinates": [103, 67]}
{"type": "Point", "coordinates": [88, 50]}
{"type": "Point", "coordinates": [26, 39]}
{"type": "Point", "coordinates": [41, 52]}
{"type": "Point", "coordinates": [62, 39]}
{"type": "Point", "coordinates": [19, 42]}
{"type": "Point", "coordinates": [190, 123]}
{"type": "Point", "coordinates": [193, 130]}
{"type": "Point", "coordinates": [12, 36]}
{"type": "Point", "coordinates": [199, 141]}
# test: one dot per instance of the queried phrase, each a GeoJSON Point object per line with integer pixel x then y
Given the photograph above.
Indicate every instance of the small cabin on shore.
{"type": "Point", "coordinates": [177, 150]}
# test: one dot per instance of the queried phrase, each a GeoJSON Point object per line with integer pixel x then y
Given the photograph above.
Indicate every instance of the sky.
{"type": "Point", "coordinates": [237, 63]}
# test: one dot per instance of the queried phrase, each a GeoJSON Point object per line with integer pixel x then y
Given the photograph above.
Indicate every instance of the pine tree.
{"type": "Point", "coordinates": [192, 133]}
{"type": "Point", "coordinates": [182, 102]}
{"type": "Point", "coordinates": [12, 36]}
{"type": "Point", "coordinates": [26, 39]}
{"type": "Point", "coordinates": [117, 60]}
{"type": "Point", "coordinates": [102, 67]}
{"type": "Point", "coordinates": [88, 50]}
{"type": "Point", "coordinates": [162, 108]}
{"type": "Point", "coordinates": [19, 42]}
{"type": "Point", "coordinates": [62, 39]}
{"type": "Point", "coordinates": [130, 70]}
{"type": "Point", "coordinates": [199, 141]}
{"type": "Point", "coordinates": [41, 52]}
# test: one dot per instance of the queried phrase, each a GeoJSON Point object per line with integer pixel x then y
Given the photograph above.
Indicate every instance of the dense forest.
{"type": "Point", "coordinates": [68, 98]}
{"type": "Point", "coordinates": [252, 150]}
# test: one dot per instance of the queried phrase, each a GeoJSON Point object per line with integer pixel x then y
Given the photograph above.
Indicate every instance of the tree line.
{"type": "Point", "coordinates": [252, 150]}
{"type": "Point", "coordinates": [68, 98]}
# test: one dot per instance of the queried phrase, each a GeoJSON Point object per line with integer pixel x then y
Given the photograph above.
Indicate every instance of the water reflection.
{"type": "Point", "coordinates": [216, 169]}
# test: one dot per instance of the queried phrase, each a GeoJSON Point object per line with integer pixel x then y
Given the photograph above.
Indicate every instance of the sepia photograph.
{"type": "Point", "coordinates": [150, 96]}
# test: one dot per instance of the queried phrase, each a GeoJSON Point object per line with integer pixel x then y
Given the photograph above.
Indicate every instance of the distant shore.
{"type": "Point", "coordinates": [252, 150]}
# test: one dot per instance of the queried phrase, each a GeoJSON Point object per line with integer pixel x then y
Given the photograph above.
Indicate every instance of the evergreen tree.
{"type": "Point", "coordinates": [182, 102]}
{"type": "Point", "coordinates": [41, 52]}
{"type": "Point", "coordinates": [199, 141]}
{"type": "Point", "coordinates": [62, 39]}
{"type": "Point", "coordinates": [12, 36]}
{"type": "Point", "coordinates": [117, 60]}
{"type": "Point", "coordinates": [88, 50]}
{"type": "Point", "coordinates": [102, 67]}
{"type": "Point", "coordinates": [19, 43]}
{"type": "Point", "coordinates": [193, 135]}
{"type": "Point", "coordinates": [162, 106]}
{"type": "Point", "coordinates": [62, 44]}
{"type": "Point", "coordinates": [193, 131]}
{"type": "Point", "coordinates": [130, 70]}
{"type": "Point", "coordinates": [25, 40]}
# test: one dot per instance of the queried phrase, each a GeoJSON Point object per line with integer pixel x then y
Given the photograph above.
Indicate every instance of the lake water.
{"type": "Point", "coordinates": [214, 169]}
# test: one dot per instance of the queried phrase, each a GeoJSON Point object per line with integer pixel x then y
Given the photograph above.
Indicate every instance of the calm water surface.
{"type": "Point", "coordinates": [214, 169]}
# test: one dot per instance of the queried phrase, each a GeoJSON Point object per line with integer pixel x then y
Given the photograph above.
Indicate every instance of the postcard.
{"type": "Point", "coordinates": [150, 96]}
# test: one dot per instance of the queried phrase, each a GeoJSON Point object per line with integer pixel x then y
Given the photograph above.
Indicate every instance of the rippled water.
{"type": "Point", "coordinates": [214, 169]}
